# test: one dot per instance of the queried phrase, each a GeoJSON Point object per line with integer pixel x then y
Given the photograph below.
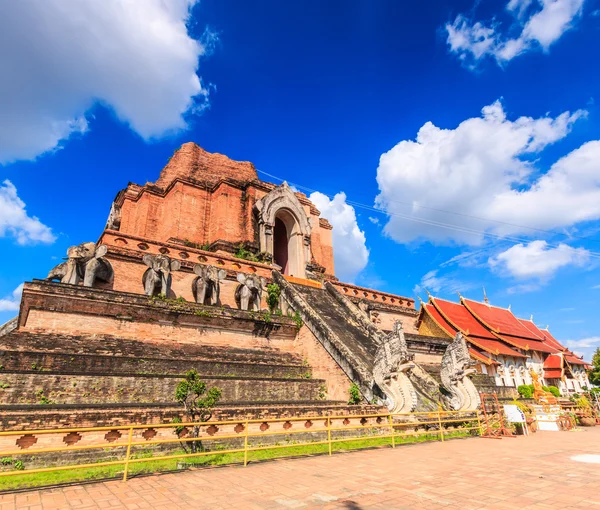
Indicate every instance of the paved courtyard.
{"type": "Point", "coordinates": [537, 472]}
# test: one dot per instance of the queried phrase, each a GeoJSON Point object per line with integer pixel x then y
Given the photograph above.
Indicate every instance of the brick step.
{"type": "Point", "coordinates": [253, 365]}
{"type": "Point", "coordinates": [39, 387]}
{"type": "Point", "coordinates": [107, 345]}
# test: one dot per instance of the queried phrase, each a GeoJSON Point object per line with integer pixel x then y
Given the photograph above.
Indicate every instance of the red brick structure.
{"type": "Point", "coordinates": [208, 200]}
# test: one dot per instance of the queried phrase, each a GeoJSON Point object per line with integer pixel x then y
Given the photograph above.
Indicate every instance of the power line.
{"type": "Point", "coordinates": [439, 224]}
{"type": "Point", "coordinates": [552, 232]}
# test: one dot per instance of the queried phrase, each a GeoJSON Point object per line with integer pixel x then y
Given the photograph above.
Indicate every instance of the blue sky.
{"type": "Point", "coordinates": [460, 139]}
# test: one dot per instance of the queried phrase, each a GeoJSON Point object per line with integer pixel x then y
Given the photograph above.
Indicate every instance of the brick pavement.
{"type": "Point", "coordinates": [535, 472]}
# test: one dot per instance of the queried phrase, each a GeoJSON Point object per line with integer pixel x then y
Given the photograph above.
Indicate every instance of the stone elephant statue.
{"type": "Point", "coordinates": [248, 294]}
{"type": "Point", "coordinates": [85, 263]}
{"type": "Point", "coordinates": [157, 278]}
{"type": "Point", "coordinates": [207, 286]}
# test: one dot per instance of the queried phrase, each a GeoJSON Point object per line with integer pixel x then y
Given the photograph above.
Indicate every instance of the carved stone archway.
{"type": "Point", "coordinates": [281, 207]}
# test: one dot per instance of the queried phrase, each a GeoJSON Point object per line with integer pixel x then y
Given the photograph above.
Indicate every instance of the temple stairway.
{"type": "Point", "coordinates": [349, 337]}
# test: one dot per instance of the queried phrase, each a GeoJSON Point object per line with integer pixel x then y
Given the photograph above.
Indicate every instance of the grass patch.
{"type": "Point", "coordinates": [23, 480]}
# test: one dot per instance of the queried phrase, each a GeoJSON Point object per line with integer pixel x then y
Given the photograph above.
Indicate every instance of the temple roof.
{"type": "Point", "coordinates": [460, 318]}
{"type": "Point", "coordinates": [500, 320]}
{"type": "Point", "coordinates": [192, 162]}
{"type": "Point", "coordinates": [487, 342]}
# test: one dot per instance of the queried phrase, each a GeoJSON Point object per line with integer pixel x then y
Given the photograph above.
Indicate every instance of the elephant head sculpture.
{"type": "Point", "coordinates": [85, 262]}
{"type": "Point", "coordinates": [248, 294]}
{"type": "Point", "coordinates": [207, 286]}
{"type": "Point", "coordinates": [157, 278]}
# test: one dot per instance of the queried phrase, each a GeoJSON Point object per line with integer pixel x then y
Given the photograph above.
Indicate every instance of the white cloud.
{"type": "Point", "coordinates": [584, 347]}
{"type": "Point", "coordinates": [434, 282]}
{"type": "Point", "coordinates": [15, 221]}
{"type": "Point", "coordinates": [11, 302]}
{"type": "Point", "coordinates": [60, 57]}
{"type": "Point", "coordinates": [373, 220]}
{"type": "Point", "coordinates": [484, 172]}
{"type": "Point", "coordinates": [349, 242]}
{"type": "Point", "coordinates": [538, 24]}
{"type": "Point", "coordinates": [538, 260]}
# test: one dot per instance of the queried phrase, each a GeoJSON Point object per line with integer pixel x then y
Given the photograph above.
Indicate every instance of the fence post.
{"type": "Point", "coordinates": [479, 423]}
{"type": "Point", "coordinates": [128, 454]}
{"type": "Point", "coordinates": [329, 433]}
{"type": "Point", "coordinates": [440, 424]}
{"type": "Point", "coordinates": [246, 444]}
{"type": "Point", "coordinates": [392, 430]}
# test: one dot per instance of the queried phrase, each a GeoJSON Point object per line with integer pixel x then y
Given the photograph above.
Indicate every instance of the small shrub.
{"type": "Point", "coordinates": [553, 389]}
{"type": "Point", "coordinates": [525, 390]}
{"type": "Point", "coordinates": [297, 319]}
{"type": "Point", "coordinates": [273, 295]}
{"type": "Point", "coordinates": [43, 399]}
{"type": "Point", "coordinates": [322, 392]}
{"type": "Point", "coordinates": [19, 465]}
{"type": "Point", "coordinates": [355, 396]}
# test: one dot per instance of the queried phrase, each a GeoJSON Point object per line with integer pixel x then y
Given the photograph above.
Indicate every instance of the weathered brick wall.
{"type": "Point", "coordinates": [25, 388]}
{"type": "Point", "coordinates": [51, 416]}
{"type": "Point", "coordinates": [205, 198]}
{"type": "Point", "coordinates": [322, 365]}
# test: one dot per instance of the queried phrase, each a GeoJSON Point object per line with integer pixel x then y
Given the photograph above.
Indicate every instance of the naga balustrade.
{"type": "Point", "coordinates": [380, 426]}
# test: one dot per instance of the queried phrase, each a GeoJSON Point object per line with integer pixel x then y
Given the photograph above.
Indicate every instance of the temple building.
{"type": "Point", "coordinates": [505, 346]}
{"type": "Point", "coordinates": [211, 268]}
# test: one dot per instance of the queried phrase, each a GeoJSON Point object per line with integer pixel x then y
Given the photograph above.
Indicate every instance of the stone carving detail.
{"type": "Point", "coordinates": [157, 278]}
{"type": "Point", "coordinates": [248, 294]}
{"type": "Point", "coordinates": [456, 366]}
{"type": "Point", "coordinates": [207, 287]}
{"type": "Point", "coordinates": [392, 361]}
{"type": "Point", "coordinates": [85, 263]}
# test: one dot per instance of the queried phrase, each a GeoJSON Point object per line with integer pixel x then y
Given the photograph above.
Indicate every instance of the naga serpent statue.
{"type": "Point", "coordinates": [456, 366]}
{"type": "Point", "coordinates": [391, 362]}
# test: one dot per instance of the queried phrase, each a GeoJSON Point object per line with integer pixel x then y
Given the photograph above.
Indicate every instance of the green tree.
{"type": "Point", "coordinates": [198, 402]}
{"type": "Point", "coordinates": [595, 372]}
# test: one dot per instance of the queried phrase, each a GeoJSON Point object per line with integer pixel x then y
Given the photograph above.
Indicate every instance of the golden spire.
{"type": "Point", "coordinates": [485, 298]}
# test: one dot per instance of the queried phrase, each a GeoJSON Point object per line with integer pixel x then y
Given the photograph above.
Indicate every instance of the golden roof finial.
{"type": "Point", "coordinates": [485, 298]}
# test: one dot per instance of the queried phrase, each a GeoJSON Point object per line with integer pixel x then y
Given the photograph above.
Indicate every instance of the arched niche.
{"type": "Point", "coordinates": [284, 230]}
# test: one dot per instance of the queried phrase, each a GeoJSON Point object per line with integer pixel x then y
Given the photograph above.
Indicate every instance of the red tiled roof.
{"type": "Point", "coordinates": [500, 320]}
{"type": "Point", "coordinates": [461, 318]}
{"type": "Point", "coordinates": [487, 344]}
{"type": "Point", "coordinates": [482, 357]}
{"type": "Point", "coordinates": [527, 344]}
{"type": "Point", "coordinates": [548, 338]}
{"type": "Point", "coordinates": [552, 373]}
{"type": "Point", "coordinates": [553, 361]}
{"type": "Point", "coordinates": [574, 360]}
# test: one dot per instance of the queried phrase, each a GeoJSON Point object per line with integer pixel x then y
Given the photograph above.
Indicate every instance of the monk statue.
{"type": "Point", "coordinates": [540, 395]}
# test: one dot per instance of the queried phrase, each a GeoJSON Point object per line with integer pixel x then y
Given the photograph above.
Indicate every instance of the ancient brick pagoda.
{"type": "Point", "coordinates": [177, 281]}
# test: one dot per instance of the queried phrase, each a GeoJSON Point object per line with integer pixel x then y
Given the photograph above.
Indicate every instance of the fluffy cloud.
{"type": "Point", "coordinates": [63, 56]}
{"type": "Point", "coordinates": [539, 23]}
{"type": "Point", "coordinates": [15, 221]}
{"type": "Point", "coordinates": [451, 186]}
{"type": "Point", "coordinates": [538, 260]}
{"type": "Point", "coordinates": [11, 303]}
{"type": "Point", "coordinates": [349, 242]}
{"type": "Point", "coordinates": [584, 347]}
